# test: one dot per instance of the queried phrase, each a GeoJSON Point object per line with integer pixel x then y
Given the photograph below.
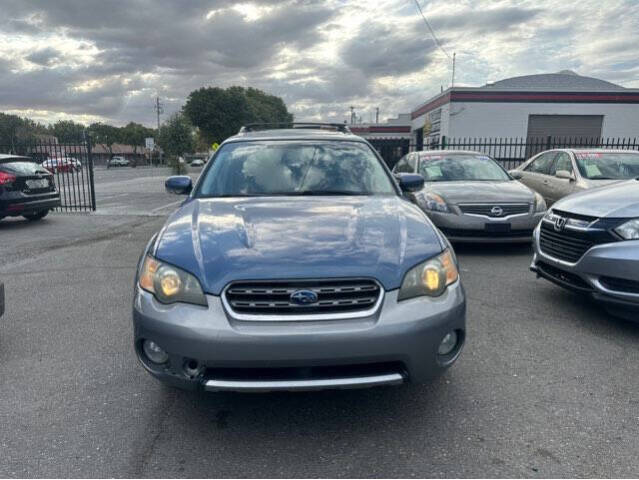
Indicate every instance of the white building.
{"type": "Point", "coordinates": [559, 105]}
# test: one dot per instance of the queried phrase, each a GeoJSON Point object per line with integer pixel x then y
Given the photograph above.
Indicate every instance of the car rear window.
{"type": "Point", "coordinates": [22, 167]}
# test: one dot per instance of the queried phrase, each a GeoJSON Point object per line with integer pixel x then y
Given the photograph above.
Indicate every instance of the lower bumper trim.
{"type": "Point", "coordinates": [213, 385]}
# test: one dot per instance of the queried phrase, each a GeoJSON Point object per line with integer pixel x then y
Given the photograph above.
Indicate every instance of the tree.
{"type": "Point", "coordinates": [16, 132]}
{"type": "Point", "coordinates": [105, 135]}
{"type": "Point", "coordinates": [134, 134]}
{"type": "Point", "coordinates": [67, 131]}
{"type": "Point", "coordinates": [219, 113]}
{"type": "Point", "coordinates": [176, 137]}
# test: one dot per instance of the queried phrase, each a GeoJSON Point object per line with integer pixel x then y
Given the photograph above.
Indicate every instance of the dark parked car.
{"type": "Point", "coordinates": [589, 243]}
{"type": "Point", "coordinates": [295, 263]}
{"type": "Point", "coordinates": [26, 188]}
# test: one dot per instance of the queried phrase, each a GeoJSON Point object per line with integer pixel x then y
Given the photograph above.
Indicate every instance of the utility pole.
{"type": "Point", "coordinates": [159, 109]}
{"type": "Point", "coordinates": [452, 83]}
{"type": "Point", "coordinates": [376, 114]}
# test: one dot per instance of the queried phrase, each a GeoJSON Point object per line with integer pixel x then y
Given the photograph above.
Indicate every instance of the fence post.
{"type": "Point", "coordinates": [548, 142]}
{"type": "Point", "coordinates": [443, 142]}
{"type": "Point", "coordinates": [87, 140]}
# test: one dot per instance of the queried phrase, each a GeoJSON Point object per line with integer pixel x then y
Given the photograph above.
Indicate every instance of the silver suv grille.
{"type": "Point", "coordinates": [332, 297]}
{"type": "Point", "coordinates": [495, 209]}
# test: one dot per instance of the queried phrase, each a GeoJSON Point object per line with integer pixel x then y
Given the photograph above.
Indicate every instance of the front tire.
{"type": "Point", "coordinates": [32, 217]}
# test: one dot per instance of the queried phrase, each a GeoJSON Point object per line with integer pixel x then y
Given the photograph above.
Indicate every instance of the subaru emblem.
{"type": "Point", "coordinates": [303, 297]}
{"type": "Point", "coordinates": [496, 211]}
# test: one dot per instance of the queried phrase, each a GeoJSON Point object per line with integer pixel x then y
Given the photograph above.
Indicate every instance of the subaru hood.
{"type": "Point", "coordinates": [482, 192]}
{"type": "Point", "coordinates": [620, 200]}
{"type": "Point", "coordinates": [226, 239]}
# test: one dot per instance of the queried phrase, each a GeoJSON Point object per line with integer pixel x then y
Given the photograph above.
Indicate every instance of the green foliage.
{"type": "Point", "coordinates": [134, 134]}
{"type": "Point", "coordinates": [176, 138]}
{"type": "Point", "coordinates": [15, 130]}
{"type": "Point", "coordinates": [105, 135]}
{"type": "Point", "coordinates": [219, 113]}
{"type": "Point", "coordinates": [67, 131]}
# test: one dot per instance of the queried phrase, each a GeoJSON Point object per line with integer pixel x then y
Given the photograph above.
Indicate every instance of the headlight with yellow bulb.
{"type": "Point", "coordinates": [430, 278]}
{"type": "Point", "coordinates": [170, 284]}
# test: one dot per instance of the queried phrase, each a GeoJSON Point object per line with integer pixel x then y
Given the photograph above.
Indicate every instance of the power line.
{"type": "Point", "coordinates": [432, 32]}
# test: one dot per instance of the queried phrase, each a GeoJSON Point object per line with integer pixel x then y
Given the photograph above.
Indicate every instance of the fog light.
{"type": "Point", "coordinates": [448, 343]}
{"type": "Point", "coordinates": [154, 352]}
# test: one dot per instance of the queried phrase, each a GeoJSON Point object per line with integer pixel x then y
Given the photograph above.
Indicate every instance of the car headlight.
{"type": "Point", "coordinates": [430, 278]}
{"type": "Point", "coordinates": [629, 230]}
{"type": "Point", "coordinates": [433, 202]}
{"type": "Point", "coordinates": [540, 203]}
{"type": "Point", "coordinates": [170, 284]}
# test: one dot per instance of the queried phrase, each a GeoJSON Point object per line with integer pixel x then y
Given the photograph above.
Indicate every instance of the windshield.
{"type": "Point", "coordinates": [295, 168]}
{"type": "Point", "coordinates": [460, 167]}
{"type": "Point", "coordinates": [608, 166]}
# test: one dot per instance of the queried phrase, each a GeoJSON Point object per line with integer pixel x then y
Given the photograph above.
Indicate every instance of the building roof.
{"type": "Point", "coordinates": [564, 81]}
{"type": "Point", "coordinates": [561, 87]}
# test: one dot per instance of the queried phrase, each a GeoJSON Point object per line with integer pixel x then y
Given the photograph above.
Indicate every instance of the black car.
{"type": "Point", "coordinates": [26, 188]}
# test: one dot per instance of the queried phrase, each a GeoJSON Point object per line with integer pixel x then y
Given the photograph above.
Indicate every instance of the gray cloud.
{"type": "Point", "coordinates": [490, 21]}
{"type": "Point", "coordinates": [381, 50]}
{"type": "Point", "coordinates": [144, 48]}
{"type": "Point", "coordinates": [44, 56]}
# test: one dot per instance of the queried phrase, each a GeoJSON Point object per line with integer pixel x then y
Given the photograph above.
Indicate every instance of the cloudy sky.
{"type": "Point", "coordinates": [106, 60]}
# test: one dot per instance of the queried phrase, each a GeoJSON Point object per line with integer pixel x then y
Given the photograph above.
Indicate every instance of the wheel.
{"type": "Point", "coordinates": [32, 217]}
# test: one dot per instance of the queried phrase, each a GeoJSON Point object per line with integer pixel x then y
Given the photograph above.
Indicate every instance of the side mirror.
{"type": "Point", "coordinates": [564, 174]}
{"type": "Point", "coordinates": [516, 174]}
{"type": "Point", "coordinates": [410, 182]}
{"type": "Point", "coordinates": [179, 184]}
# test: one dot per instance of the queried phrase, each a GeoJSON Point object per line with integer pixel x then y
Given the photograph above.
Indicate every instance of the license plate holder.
{"type": "Point", "coordinates": [501, 227]}
{"type": "Point", "coordinates": [38, 184]}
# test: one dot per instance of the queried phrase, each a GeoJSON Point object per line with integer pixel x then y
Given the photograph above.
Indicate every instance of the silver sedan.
{"type": "Point", "coordinates": [589, 243]}
{"type": "Point", "coordinates": [558, 173]}
{"type": "Point", "coordinates": [471, 198]}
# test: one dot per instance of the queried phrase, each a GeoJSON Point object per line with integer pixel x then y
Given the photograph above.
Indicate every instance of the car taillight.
{"type": "Point", "coordinates": [6, 178]}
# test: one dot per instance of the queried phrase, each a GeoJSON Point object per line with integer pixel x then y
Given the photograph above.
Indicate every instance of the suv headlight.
{"type": "Point", "coordinates": [629, 230]}
{"type": "Point", "coordinates": [540, 203]}
{"type": "Point", "coordinates": [432, 202]}
{"type": "Point", "coordinates": [430, 278]}
{"type": "Point", "coordinates": [170, 284]}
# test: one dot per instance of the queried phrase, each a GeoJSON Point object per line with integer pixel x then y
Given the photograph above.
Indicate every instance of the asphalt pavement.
{"type": "Point", "coordinates": [547, 385]}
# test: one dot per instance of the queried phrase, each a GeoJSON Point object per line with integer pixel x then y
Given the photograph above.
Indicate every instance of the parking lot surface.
{"type": "Point", "coordinates": [547, 385]}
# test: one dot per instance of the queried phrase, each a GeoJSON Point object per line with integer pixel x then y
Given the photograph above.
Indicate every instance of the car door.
{"type": "Point", "coordinates": [536, 175]}
{"type": "Point", "coordinates": [560, 187]}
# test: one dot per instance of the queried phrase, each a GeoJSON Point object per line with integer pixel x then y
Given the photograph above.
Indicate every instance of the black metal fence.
{"type": "Point", "coordinates": [71, 165]}
{"type": "Point", "coordinates": [512, 152]}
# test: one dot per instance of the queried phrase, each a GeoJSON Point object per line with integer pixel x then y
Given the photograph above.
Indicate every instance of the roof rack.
{"type": "Point", "coordinates": [254, 127]}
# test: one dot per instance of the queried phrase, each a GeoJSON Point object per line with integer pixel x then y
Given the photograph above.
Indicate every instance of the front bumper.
{"type": "Point", "coordinates": [398, 343]}
{"type": "Point", "coordinates": [460, 228]}
{"type": "Point", "coordinates": [609, 273]}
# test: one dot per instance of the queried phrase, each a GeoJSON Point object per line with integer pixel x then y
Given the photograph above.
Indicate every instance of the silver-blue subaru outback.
{"type": "Point", "coordinates": [295, 263]}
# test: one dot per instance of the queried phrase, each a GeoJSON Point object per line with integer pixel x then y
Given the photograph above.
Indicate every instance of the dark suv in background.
{"type": "Point", "coordinates": [26, 188]}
